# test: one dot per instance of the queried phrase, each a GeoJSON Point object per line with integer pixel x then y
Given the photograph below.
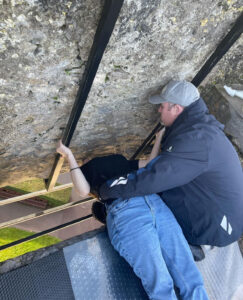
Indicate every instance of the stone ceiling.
{"type": "Point", "coordinates": [44, 47]}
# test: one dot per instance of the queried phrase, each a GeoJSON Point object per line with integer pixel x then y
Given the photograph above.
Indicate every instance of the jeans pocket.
{"type": "Point", "coordinates": [117, 206]}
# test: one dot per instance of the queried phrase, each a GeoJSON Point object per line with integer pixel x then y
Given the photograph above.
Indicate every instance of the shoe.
{"type": "Point", "coordinates": [99, 211]}
{"type": "Point", "coordinates": [197, 252]}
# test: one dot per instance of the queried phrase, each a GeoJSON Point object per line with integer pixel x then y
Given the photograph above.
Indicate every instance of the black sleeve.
{"type": "Point", "coordinates": [100, 169]}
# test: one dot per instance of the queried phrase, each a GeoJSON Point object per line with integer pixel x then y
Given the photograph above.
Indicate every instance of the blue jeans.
{"type": "Point", "coordinates": [145, 232]}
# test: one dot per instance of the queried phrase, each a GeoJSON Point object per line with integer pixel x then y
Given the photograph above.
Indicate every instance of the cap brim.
{"type": "Point", "coordinates": [156, 99]}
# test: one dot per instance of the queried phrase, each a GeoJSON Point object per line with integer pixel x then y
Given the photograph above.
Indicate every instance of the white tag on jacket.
{"type": "Point", "coordinates": [169, 149]}
{"type": "Point", "coordinates": [121, 180]}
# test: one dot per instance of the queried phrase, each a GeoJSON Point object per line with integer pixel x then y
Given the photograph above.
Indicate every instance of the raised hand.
{"type": "Point", "coordinates": [63, 150]}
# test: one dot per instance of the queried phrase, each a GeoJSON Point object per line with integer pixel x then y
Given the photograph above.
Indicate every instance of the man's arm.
{"type": "Point", "coordinates": [167, 171]}
{"type": "Point", "coordinates": [155, 151]}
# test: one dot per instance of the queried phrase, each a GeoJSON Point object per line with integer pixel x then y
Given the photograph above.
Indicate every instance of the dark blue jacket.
{"type": "Point", "coordinates": [198, 175]}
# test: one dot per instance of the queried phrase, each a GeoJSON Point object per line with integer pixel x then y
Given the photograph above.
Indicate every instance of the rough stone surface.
{"type": "Point", "coordinates": [44, 46]}
{"type": "Point", "coordinates": [229, 111]}
{"type": "Point", "coordinates": [234, 125]}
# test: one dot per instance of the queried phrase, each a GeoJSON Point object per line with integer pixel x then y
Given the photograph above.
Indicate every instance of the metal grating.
{"type": "Point", "coordinates": [98, 272]}
{"type": "Point", "coordinates": [222, 271]}
{"type": "Point", "coordinates": [92, 269]}
{"type": "Point", "coordinates": [45, 279]}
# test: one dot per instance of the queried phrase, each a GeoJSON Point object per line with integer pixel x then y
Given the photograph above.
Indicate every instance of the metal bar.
{"type": "Point", "coordinates": [219, 52]}
{"type": "Point", "coordinates": [36, 235]}
{"type": "Point", "coordinates": [104, 30]}
{"type": "Point", "coordinates": [147, 141]}
{"type": "Point", "coordinates": [34, 216]}
{"type": "Point", "coordinates": [35, 194]}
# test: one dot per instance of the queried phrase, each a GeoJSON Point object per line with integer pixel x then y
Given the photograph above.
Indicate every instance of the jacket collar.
{"type": "Point", "coordinates": [197, 108]}
{"type": "Point", "coordinates": [191, 114]}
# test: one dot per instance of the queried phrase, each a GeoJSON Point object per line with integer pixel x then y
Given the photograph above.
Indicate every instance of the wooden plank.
{"type": "Point", "coordinates": [56, 169]}
{"type": "Point", "coordinates": [34, 194]}
{"type": "Point", "coordinates": [6, 193]}
{"type": "Point", "coordinates": [44, 212]}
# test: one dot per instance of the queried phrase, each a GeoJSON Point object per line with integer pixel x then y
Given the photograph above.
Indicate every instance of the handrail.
{"type": "Point", "coordinates": [35, 194]}
{"type": "Point", "coordinates": [147, 141]}
{"type": "Point", "coordinates": [104, 30]}
{"type": "Point", "coordinates": [43, 213]}
{"type": "Point", "coordinates": [36, 235]}
{"type": "Point", "coordinates": [219, 52]}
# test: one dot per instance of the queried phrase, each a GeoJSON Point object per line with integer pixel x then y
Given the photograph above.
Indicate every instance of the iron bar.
{"type": "Point", "coordinates": [36, 235]}
{"type": "Point", "coordinates": [219, 52]}
{"type": "Point", "coordinates": [104, 30]}
{"type": "Point", "coordinates": [147, 141]}
{"type": "Point", "coordinates": [46, 212]}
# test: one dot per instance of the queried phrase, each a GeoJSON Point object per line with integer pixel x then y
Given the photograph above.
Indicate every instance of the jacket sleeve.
{"type": "Point", "coordinates": [167, 171]}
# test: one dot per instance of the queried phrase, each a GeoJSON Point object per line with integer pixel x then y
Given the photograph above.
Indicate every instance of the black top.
{"type": "Point", "coordinates": [100, 169]}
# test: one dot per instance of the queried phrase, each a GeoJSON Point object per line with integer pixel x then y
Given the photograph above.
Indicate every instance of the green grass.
{"type": "Point", "coordinates": [54, 198]}
{"type": "Point", "coordinates": [8, 235]}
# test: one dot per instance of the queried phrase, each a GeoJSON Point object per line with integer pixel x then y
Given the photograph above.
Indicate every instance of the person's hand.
{"type": "Point", "coordinates": [63, 150]}
{"type": "Point", "coordinates": [160, 134]}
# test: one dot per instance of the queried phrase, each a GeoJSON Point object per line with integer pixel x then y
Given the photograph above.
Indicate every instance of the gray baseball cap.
{"type": "Point", "coordinates": [179, 92]}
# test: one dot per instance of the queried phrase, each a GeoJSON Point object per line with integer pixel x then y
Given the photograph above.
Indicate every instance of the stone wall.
{"type": "Point", "coordinates": [44, 46]}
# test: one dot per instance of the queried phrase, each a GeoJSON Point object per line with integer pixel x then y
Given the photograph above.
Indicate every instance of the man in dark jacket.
{"type": "Point", "coordinates": [140, 225]}
{"type": "Point", "coordinates": [197, 174]}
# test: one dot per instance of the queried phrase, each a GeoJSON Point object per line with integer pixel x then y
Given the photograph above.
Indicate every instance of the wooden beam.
{"type": "Point", "coordinates": [55, 171]}
{"type": "Point", "coordinates": [44, 212]}
{"type": "Point", "coordinates": [35, 194]}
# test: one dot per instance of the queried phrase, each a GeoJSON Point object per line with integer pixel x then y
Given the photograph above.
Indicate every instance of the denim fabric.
{"type": "Point", "coordinates": [145, 232]}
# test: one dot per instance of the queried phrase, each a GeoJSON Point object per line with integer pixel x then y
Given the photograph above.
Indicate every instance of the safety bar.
{"type": "Point", "coordinates": [34, 216]}
{"type": "Point", "coordinates": [219, 52]}
{"type": "Point", "coordinates": [36, 235]}
{"type": "Point", "coordinates": [104, 30]}
{"type": "Point", "coordinates": [35, 194]}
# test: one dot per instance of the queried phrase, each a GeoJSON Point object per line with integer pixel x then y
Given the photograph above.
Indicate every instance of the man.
{"type": "Point", "coordinates": [143, 229]}
{"type": "Point", "coordinates": [198, 173]}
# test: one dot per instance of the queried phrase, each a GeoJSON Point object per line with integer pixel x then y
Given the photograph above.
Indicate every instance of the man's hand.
{"type": "Point", "coordinates": [160, 134]}
{"type": "Point", "coordinates": [155, 151]}
{"type": "Point", "coordinates": [63, 150]}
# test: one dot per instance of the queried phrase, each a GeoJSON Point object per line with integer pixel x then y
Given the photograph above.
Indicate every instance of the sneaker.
{"type": "Point", "coordinates": [99, 211]}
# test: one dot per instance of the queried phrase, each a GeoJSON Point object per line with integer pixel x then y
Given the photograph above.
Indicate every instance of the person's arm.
{"type": "Point", "coordinates": [79, 181]}
{"type": "Point", "coordinates": [168, 170]}
{"type": "Point", "coordinates": [155, 151]}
